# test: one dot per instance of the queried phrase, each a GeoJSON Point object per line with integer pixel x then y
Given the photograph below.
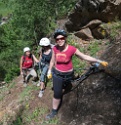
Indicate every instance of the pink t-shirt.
{"type": "Point", "coordinates": [64, 59]}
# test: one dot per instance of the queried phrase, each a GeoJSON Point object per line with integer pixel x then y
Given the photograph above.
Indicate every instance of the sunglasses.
{"type": "Point", "coordinates": [62, 38]}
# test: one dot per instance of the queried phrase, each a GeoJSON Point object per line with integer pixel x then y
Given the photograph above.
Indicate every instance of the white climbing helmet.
{"type": "Point", "coordinates": [26, 49]}
{"type": "Point", "coordinates": [44, 42]}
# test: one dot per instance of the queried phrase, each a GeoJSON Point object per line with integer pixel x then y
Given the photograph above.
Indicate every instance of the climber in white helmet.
{"type": "Point", "coordinates": [44, 61]}
{"type": "Point", "coordinates": [27, 65]}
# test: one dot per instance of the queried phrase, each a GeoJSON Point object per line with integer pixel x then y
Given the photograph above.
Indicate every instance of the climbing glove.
{"type": "Point", "coordinates": [49, 74]}
{"type": "Point", "coordinates": [103, 63]}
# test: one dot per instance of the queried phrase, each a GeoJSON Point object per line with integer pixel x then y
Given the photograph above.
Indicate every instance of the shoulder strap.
{"type": "Point", "coordinates": [23, 58]}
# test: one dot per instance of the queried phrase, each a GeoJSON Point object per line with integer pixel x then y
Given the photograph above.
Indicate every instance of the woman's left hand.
{"type": "Point", "coordinates": [104, 63]}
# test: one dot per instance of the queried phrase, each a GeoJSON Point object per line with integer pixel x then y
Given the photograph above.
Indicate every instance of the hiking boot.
{"type": "Point", "coordinates": [51, 115]}
{"type": "Point", "coordinates": [39, 83]}
{"type": "Point", "coordinates": [41, 93]}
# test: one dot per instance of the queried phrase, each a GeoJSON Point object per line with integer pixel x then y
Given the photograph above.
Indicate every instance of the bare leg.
{"type": "Point", "coordinates": [42, 86]}
{"type": "Point", "coordinates": [56, 103]}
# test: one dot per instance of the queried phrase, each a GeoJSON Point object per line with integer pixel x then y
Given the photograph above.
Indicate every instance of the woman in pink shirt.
{"type": "Point", "coordinates": [61, 62]}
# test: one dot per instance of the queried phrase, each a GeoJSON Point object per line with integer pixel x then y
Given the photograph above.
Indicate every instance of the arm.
{"type": "Point", "coordinates": [52, 61]}
{"type": "Point", "coordinates": [40, 57]}
{"type": "Point", "coordinates": [85, 57]}
{"type": "Point", "coordinates": [89, 58]}
{"type": "Point", "coordinates": [35, 59]}
{"type": "Point", "coordinates": [21, 61]}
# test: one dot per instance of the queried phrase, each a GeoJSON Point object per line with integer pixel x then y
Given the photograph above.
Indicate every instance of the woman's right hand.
{"type": "Point", "coordinates": [49, 74]}
{"type": "Point", "coordinates": [21, 73]}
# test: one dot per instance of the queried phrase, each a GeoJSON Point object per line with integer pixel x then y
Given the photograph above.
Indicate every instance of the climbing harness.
{"type": "Point", "coordinates": [91, 70]}
{"type": "Point", "coordinates": [77, 81]}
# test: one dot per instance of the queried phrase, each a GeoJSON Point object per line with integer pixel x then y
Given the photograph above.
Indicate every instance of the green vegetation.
{"type": "Point", "coordinates": [6, 7]}
{"type": "Point", "coordinates": [26, 94]}
{"type": "Point", "coordinates": [2, 93]}
{"type": "Point", "coordinates": [26, 97]}
{"type": "Point", "coordinates": [18, 121]}
{"type": "Point", "coordinates": [34, 115]}
{"type": "Point", "coordinates": [28, 24]}
{"type": "Point", "coordinates": [31, 20]}
{"type": "Point", "coordinates": [94, 47]}
{"type": "Point", "coordinates": [113, 28]}
{"type": "Point", "coordinates": [5, 90]}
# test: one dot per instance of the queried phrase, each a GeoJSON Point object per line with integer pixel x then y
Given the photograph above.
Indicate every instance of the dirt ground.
{"type": "Point", "coordinates": [33, 101]}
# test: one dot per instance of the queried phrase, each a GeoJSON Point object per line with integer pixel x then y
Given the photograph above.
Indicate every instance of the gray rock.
{"type": "Point", "coordinates": [93, 24]}
{"type": "Point", "coordinates": [84, 34]}
{"type": "Point", "coordinates": [87, 10]}
{"type": "Point", "coordinates": [99, 33]}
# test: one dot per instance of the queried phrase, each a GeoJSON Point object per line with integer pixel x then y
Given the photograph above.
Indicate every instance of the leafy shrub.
{"type": "Point", "coordinates": [31, 20]}
{"type": "Point", "coordinates": [11, 73]}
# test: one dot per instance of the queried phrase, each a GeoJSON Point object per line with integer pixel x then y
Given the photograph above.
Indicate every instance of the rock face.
{"type": "Point", "coordinates": [87, 10]}
{"type": "Point", "coordinates": [84, 33]}
{"type": "Point", "coordinates": [97, 101]}
{"type": "Point", "coordinates": [114, 55]}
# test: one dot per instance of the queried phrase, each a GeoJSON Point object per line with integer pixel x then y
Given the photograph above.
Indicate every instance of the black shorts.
{"type": "Point", "coordinates": [60, 82]}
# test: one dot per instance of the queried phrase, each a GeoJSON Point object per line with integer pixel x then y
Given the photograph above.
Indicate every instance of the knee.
{"type": "Point", "coordinates": [42, 78]}
{"type": "Point", "coordinates": [57, 95]}
{"type": "Point", "coordinates": [34, 74]}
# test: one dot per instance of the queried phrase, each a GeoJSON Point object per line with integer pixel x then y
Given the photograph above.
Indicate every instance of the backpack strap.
{"type": "Point", "coordinates": [23, 59]}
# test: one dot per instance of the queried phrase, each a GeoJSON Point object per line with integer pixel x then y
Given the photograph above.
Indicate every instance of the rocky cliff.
{"type": "Point", "coordinates": [94, 11]}
{"type": "Point", "coordinates": [97, 101]}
